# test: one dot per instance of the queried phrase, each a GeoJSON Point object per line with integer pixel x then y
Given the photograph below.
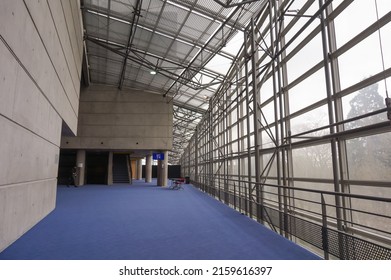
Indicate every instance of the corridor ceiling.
{"type": "Point", "coordinates": [189, 43]}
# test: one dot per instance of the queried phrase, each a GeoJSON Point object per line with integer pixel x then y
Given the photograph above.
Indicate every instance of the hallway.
{"type": "Point", "coordinates": [143, 221]}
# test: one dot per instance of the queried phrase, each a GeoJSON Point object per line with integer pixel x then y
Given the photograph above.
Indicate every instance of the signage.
{"type": "Point", "coordinates": [158, 156]}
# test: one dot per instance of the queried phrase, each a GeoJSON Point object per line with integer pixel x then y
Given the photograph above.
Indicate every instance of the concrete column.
{"type": "Point", "coordinates": [162, 170]}
{"type": "Point", "coordinates": [110, 169]}
{"type": "Point", "coordinates": [159, 173]}
{"type": "Point", "coordinates": [148, 169]}
{"type": "Point", "coordinates": [81, 167]}
{"type": "Point", "coordinates": [165, 170]}
{"type": "Point", "coordinates": [139, 169]}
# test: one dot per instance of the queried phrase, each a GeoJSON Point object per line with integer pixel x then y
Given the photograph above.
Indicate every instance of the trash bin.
{"type": "Point", "coordinates": [187, 180]}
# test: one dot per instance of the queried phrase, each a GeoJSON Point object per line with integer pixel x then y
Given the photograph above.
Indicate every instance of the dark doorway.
{"type": "Point", "coordinates": [66, 162]}
{"type": "Point", "coordinates": [97, 167]}
{"type": "Point", "coordinates": [174, 171]}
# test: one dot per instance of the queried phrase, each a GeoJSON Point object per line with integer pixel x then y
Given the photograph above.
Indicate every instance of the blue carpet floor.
{"type": "Point", "coordinates": [143, 221]}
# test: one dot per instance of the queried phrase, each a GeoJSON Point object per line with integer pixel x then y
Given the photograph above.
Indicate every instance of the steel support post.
{"type": "Point", "coordinates": [225, 147]}
{"type": "Point", "coordinates": [333, 141]}
{"type": "Point", "coordinates": [256, 101]}
{"type": "Point", "coordinates": [248, 209]}
{"type": "Point", "coordinates": [325, 236]}
{"type": "Point", "coordinates": [196, 155]}
{"type": "Point", "coordinates": [288, 158]}
{"type": "Point", "coordinates": [189, 158]}
{"type": "Point", "coordinates": [239, 134]}
{"type": "Point", "coordinates": [279, 26]}
{"type": "Point", "coordinates": [211, 160]}
{"type": "Point", "coordinates": [276, 90]}
{"type": "Point", "coordinates": [336, 82]}
{"type": "Point", "coordinates": [219, 139]}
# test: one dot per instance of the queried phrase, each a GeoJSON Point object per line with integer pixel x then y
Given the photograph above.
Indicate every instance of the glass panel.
{"type": "Point", "coordinates": [267, 114]}
{"type": "Point", "coordinates": [269, 167]}
{"type": "Point", "coordinates": [360, 62]}
{"type": "Point", "coordinates": [234, 132]}
{"type": "Point", "coordinates": [364, 101]}
{"type": "Point", "coordinates": [267, 90]}
{"type": "Point", "coordinates": [301, 22]}
{"type": "Point", "coordinates": [354, 19]}
{"type": "Point", "coordinates": [310, 120]}
{"type": "Point", "coordinates": [369, 157]}
{"type": "Point", "coordinates": [267, 140]}
{"type": "Point", "coordinates": [313, 162]}
{"type": "Point", "coordinates": [310, 201]}
{"type": "Point", "coordinates": [308, 91]}
{"type": "Point", "coordinates": [374, 222]}
{"type": "Point", "coordinates": [310, 55]}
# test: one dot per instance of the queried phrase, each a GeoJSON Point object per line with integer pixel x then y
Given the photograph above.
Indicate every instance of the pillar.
{"type": "Point", "coordinates": [139, 169]}
{"type": "Point", "coordinates": [148, 169]}
{"type": "Point", "coordinates": [110, 169]}
{"type": "Point", "coordinates": [162, 171]}
{"type": "Point", "coordinates": [81, 167]}
{"type": "Point", "coordinates": [165, 170]}
{"type": "Point", "coordinates": [159, 173]}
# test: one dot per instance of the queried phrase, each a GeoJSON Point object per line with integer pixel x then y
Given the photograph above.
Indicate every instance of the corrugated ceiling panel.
{"type": "Point", "coordinates": [96, 50]}
{"type": "Point", "coordinates": [118, 32]}
{"type": "Point", "coordinates": [102, 4]}
{"type": "Point", "coordinates": [195, 102]}
{"type": "Point", "coordinates": [171, 19]}
{"type": "Point", "coordinates": [171, 67]}
{"type": "Point", "coordinates": [98, 26]}
{"type": "Point", "coordinates": [251, 10]}
{"type": "Point", "coordinates": [103, 78]}
{"type": "Point", "coordinates": [94, 23]}
{"type": "Point", "coordinates": [159, 81]}
{"type": "Point", "coordinates": [97, 64]}
{"type": "Point", "coordinates": [105, 65]}
{"type": "Point", "coordinates": [134, 71]}
{"type": "Point", "coordinates": [123, 9]}
{"type": "Point", "coordinates": [210, 7]}
{"type": "Point", "coordinates": [217, 40]}
{"type": "Point", "coordinates": [213, 7]}
{"type": "Point", "coordinates": [149, 10]}
{"type": "Point", "coordinates": [199, 27]}
{"type": "Point", "coordinates": [202, 58]}
{"type": "Point", "coordinates": [188, 91]}
{"type": "Point", "coordinates": [182, 98]}
{"type": "Point", "coordinates": [141, 39]}
{"type": "Point", "coordinates": [161, 45]}
{"type": "Point", "coordinates": [166, 18]}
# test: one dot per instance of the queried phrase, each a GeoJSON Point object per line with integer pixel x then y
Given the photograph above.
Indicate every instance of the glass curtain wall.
{"type": "Point", "coordinates": [298, 137]}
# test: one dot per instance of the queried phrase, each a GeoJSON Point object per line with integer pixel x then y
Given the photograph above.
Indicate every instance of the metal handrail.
{"type": "Point", "coordinates": [238, 192]}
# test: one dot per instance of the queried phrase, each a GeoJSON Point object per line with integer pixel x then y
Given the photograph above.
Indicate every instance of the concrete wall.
{"type": "Point", "coordinates": [41, 54]}
{"type": "Point", "coordinates": [112, 119]}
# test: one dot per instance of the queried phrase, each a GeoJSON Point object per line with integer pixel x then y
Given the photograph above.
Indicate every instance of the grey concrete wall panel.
{"type": "Point", "coordinates": [62, 32]}
{"type": "Point", "coordinates": [39, 87]}
{"type": "Point", "coordinates": [26, 156]}
{"type": "Point", "coordinates": [29, 108]}
{"type": "Point", "coordinates": [39, 197]}
{"type": "Point", "coordinates": [112, 119]}
{"type": "Point", "coordinates": [19, 30]}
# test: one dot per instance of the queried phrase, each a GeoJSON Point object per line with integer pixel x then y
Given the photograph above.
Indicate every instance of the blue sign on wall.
{"type": "Point", "coordinates": [158, 156]}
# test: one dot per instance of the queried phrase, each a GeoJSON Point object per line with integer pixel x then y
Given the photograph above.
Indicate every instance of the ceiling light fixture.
{"type": "Point", "coordinates": [153, 72]}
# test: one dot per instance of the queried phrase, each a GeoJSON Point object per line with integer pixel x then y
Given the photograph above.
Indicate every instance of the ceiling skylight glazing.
{"type": "Point", "coordinates": [190, 45]}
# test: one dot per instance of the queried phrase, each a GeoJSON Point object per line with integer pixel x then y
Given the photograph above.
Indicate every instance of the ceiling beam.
{"type": "Point", "coordinates": [135, 19]}
{"type": "Point", "coordinates": [202, 49]}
